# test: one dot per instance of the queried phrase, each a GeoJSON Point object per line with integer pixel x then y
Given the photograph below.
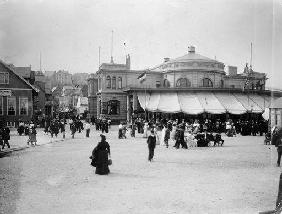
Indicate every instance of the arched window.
{"type": "Point", "coordinates": [166, 83]}
{"type": "Point", "coordinates": [183, 83]}
{"type": "Point", "coordinates": [114, 83]}
{"type": "Point", "coordinates": [207, 82]}
{"type": "Point", "coordinates": [108, 82]}
{"type": "Point", "coordinates": [113, 107]}
{"type": "Point", "coordinates": [119, 82]}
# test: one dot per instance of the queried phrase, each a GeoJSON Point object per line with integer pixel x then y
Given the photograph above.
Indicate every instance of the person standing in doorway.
{"type": "Point", "coordinates": [151, 141]}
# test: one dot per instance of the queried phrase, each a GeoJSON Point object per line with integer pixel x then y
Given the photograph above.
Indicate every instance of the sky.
{"type": "Point", "coordinates": [68, 33]}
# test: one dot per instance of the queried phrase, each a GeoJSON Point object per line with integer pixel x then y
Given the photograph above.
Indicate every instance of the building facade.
{"type": "Point", "coordinates": [16, 97]}
{"type": "Point", "coordinates": [192, 78]}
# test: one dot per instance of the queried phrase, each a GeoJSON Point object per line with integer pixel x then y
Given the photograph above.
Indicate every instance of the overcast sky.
{"type": "Point", "coordinates": [69, 32]}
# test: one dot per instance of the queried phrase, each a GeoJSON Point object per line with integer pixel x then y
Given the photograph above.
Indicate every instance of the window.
{"type": "Point", "coordinates": [1, 106]}
{"type": "Point", "coordinates": [23, 105]}
{"type": "Point", "coordinates": [166, 83]}
{"type": "Point", "coordinates": [11, 105]}
{"type": "Point", "coordinates": [114, 83]}
{"type": "Point", "coordinates": [113, 107]}
{"type": "Point", "coordinates": [119, 82]}
{"type": "Point", "coordinates": [183, 82]}
{"type": "Point", "coordinates": [207, 82]}
{"type": "Point", "coordinates": [108, 82]}
{"type": "Point", "coordinates": [4, 78]}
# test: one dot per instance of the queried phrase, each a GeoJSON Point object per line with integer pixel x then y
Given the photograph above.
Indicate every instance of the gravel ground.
{"type": "Point", "coordinates": [240, 177]}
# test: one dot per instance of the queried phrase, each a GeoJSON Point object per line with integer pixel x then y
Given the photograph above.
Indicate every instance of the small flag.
{"type": "Point", "coordinates": [142, 77]}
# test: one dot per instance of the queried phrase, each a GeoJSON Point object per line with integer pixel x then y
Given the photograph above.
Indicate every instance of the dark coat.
{"type": "Point", "coordinates": [278, 140]}
{"type": "Point", "coordinates": [151, 141]}
{"type": "Point", "coordinates": [100, 158]}
{"type": "Point", "coordinates": [6, 134]}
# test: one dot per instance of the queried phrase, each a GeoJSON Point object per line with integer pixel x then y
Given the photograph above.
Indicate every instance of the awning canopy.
{"type": "Point", "coordinates": [210, 103]}
{"type": "Point", "coordinates": [189, 103]}
{"type": "Point", "coordinates": [230, 103]}
{"type": "Point", "coordinates": [169, 103]}
{"type": "Point", "coordinates": [248, 103]}
{"type": "Point", "coordinates": [154, 102]}
{"type": "Point", "coordinates": [143, 99]}
{"type": "Point", "coordinates": [262, 101]}
{"type": "Point", "coordinates": [199, 102]}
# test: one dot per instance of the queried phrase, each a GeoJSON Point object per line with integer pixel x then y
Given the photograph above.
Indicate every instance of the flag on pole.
{"type": "Point", "coordinates": [142, 77]}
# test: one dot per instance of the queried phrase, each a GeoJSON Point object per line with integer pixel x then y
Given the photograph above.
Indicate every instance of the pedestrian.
{"type": "Point", "coordinates": [278, 144]}
{"type": "Point", "coordinates": [151, 141]}
{"type": "Point", "coordinates": [166, 136]}
{"type": "Point", "coordinates": [87, 128]}
{"type": "Point", "coordinates": [32, 135]}
{"type": "Point", "coordinates": [73, 129]}
{"type": "Point", "coordinates": [21, 128]}
{"type": "Point", "coordinates": [120, 131]}
{"type": "Point", "coordinates": [5, 137]}
{"type": "Point", "coordinates": [124, 129]}
{"type": "Point", "coordinates": [133, 129]}
{"type": "Point", "coordinates": [63, 129]}
{"type": "Point", "coordinates": [101, 157]}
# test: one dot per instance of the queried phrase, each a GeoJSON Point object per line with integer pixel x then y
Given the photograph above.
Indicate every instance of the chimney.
{"type": "Point", "coordinates": [166, 59]}
{"type": "Point", "coordinates": [232, 70]}
{"type": "Point", "coordinates": [127, 62]}
{"type": "Point", "coordinates": [191, 49]}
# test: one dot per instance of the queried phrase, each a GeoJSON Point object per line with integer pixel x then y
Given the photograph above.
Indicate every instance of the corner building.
{"type": "Point", "coordinates": [191, 84]}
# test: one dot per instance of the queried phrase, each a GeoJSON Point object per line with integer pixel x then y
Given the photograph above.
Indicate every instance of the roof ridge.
{"type": "Point", "coordinates": [11, 69]}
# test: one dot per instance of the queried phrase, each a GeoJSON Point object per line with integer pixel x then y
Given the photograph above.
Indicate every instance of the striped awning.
{"type": "Point", "coordinates": [199, 102]}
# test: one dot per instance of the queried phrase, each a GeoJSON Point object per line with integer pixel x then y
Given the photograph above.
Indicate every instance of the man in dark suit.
{"type": "Point", "coordinates": [151, 141]}
{"type": "Point", "coordinates": [278, 144]}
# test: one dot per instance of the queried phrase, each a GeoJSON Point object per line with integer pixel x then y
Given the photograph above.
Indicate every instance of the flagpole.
{"type": "Point", "coordinates": [145, 103]}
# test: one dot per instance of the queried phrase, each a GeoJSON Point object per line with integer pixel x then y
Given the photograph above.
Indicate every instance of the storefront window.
{"type": "Point", "coordinates": [23, 105]}
{"type": "Point", "coordinates": [119, 82]}
{"type": "Point", "coordinates": [207, 82]}
{"type": "Point", "coordinates": [113, 107]}
{"type": "Point", "coordinates": [1, 105]}
{"type": "Point", "coordinates": [114, 83]}
{"type": "Point", "coordinates": [108, 82]}
{"type": "Point", "coordinates": [11, 105]}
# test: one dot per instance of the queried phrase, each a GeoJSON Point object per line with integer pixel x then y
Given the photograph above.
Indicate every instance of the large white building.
{"type": "Point", "coordinates": [191, 84]}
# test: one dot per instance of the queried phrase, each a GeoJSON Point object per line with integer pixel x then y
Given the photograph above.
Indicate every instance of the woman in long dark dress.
{"type": "Point", "coordinates": [100, 156]}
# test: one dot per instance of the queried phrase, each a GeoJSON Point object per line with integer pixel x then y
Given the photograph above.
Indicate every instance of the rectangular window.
{"type": "Point", "coordinates": [4, 78]}
{"type": "Point", "coordinates": [11, 107]}
{"type": "Point", "coordinates": [23, 106]}
{"type": "Point", "coordinates": [1, 106]}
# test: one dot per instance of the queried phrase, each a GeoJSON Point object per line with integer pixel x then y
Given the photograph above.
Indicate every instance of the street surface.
{"type": "Point", "coordinates": [240, 177]}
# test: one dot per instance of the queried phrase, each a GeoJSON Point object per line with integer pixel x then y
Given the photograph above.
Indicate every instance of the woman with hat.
{"type": "Point", "coordinates": [100, 157]}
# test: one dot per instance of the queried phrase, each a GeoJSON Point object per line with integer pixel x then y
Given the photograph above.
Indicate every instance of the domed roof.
{"type": "Point", "coordinates": [190, 61]}
{"type": "Point", "coordinates": [192, 56]}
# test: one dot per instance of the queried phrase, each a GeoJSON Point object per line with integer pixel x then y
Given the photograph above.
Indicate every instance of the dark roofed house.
{"type": "Point", "coordinates": [16, 96]}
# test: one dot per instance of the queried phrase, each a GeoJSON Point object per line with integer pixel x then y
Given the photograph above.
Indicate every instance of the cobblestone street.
{"type": "Point", "coordinates": [240, 177]}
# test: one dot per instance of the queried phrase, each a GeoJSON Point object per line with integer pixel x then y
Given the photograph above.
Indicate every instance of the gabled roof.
{"type": "Point", "coordinates": [12, 70]}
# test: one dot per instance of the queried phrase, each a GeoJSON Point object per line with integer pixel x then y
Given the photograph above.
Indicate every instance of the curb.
{"type": "Point", "coordinates": [11, 150]}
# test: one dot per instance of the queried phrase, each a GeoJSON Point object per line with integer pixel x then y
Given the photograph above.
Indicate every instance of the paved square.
{"type": "Point", "coordinates": [240, 177]}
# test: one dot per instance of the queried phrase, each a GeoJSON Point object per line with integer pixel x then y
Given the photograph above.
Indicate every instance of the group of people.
{"type": "Point", "coordinates": [29, 129]}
